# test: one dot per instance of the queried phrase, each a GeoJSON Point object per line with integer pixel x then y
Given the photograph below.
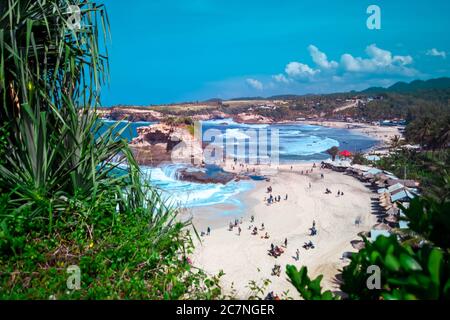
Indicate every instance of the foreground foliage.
{"type": "Point", "coordinates": [70, 195]}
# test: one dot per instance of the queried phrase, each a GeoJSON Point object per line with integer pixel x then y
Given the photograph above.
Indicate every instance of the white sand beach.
{"type": "Point", "coordinates": [244, 257]}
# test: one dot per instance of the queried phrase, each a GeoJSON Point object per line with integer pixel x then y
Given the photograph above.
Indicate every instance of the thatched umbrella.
{"type": "Point", "coordinates": [365, 234]}
{"type": "Point", "coordinates": [391, 219]}
{"type": "Point", "coordinates": [358, 244]}
{"type": "Point", "coordinates": [381, 226]}
{"type": "Point", "coordinates": [392, 211]}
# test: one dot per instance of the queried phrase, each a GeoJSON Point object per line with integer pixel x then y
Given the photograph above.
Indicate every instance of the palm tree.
{"type": "Point", "coordinates": [333, 152]}
{"type": "Point", "coordinates": [443, 138]}
{"type": "Point", "coordinates": [424, 131]}
{"type": "Point", "coordinates": [395, 142]}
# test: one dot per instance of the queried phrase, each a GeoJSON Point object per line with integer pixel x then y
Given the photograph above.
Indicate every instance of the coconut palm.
{"type": "Point", "coordinates": [396, 142]}
{"type": "Point", "coordinates": [333, 152]}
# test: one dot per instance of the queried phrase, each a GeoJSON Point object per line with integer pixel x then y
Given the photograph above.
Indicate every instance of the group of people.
{"type": "Point", "coordinates": [339, 193]}
{"type": "Point", "coordinates": [308, 245]}
{"type": "Point", "coordinates": [275, 251]}
{"type": "Point", "coordinates": [271, 199]}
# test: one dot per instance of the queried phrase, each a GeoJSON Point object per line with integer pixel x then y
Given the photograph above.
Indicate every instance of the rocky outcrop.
{"type": "Point", "coordinates": [251, 118]}
{"type": "Point", "coordinates": [160, 143]}
{"type": "Point", "coordinates": [209, 174]}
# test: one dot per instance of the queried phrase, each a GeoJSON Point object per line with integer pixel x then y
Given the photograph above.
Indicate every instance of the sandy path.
{"type": "Point", "coordinates": [244, 258]}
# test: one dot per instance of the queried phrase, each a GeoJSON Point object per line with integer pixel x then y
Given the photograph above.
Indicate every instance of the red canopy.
{"type": "Point", "coordinates": [345, 153]}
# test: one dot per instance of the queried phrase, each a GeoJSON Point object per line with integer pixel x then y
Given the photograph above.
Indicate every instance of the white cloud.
{"type": "Point", "coordinates": [297, 69]}
{"type": "Point", "coordinates": [350, 70]}
{"type": "Point", "coordinates": [436, 53]}
{"type": "Point", "coordinates": [256, 84]}
{"type": "Point", "coordinates": [321, 58]}
{"type": "Point", "coordinates": [281, 78]}
{"type": "Point", "coordinates": [379, 61]}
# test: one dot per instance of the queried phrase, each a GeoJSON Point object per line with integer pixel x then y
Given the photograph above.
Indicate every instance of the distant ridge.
{"type": "Point", "coordinates": [414, 86]}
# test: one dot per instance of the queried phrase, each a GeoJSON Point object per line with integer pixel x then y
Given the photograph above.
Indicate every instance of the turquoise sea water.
{"type": "Point", "coordinates": [297, 143]}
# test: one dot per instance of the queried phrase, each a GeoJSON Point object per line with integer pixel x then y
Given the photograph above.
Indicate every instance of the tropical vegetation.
{"type": "Point", "coordinates": [70, 195]}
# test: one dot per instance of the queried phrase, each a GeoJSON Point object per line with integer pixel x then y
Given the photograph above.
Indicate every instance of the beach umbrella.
{"type": "Point", "coordinates": [345, 153]}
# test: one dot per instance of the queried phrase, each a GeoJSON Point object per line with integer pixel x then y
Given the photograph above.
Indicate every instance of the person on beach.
{"type": "Point", "coordinates": [322, 176]}
{"type": "Point", "coordinates": [310, 186]}
{"type": "Point", "coordinates": [262, 227]}
{"type": "Point", "coordinates": [208, 231]}
{"type": "Point", "coordinates": [239, 231]}
{"type": "Point", "coordinates": [230, 227]}
{"type": "Point", "coordinates": [272, 247]}
{"type": "Point", "coordinates": [297, 255]}
{"type": "Point", "coordinates": [286, 197]}
{"type": "Point", "coordinates": [252, 219]}
{"type": "Point", "coordinates": [285, 243]}
{"type": "Point", "coordinates": [314, 223]}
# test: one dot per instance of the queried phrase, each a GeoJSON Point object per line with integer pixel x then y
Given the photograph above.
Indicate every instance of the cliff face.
{"type": "Point", "coordinates": [160, 143]}
{"type": "Point", "coordinates": [130, 114]}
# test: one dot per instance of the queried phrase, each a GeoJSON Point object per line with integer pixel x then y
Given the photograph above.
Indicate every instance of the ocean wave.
{"type": "Point", "coordinates": [188, 194]}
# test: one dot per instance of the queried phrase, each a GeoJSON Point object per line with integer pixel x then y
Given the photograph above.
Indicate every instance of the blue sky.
{"type": "Point", "coordinates": [165, 51]}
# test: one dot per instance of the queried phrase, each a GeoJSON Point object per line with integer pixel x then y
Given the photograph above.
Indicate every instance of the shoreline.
{"type": "Point", "coordinates": [383, 134]}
